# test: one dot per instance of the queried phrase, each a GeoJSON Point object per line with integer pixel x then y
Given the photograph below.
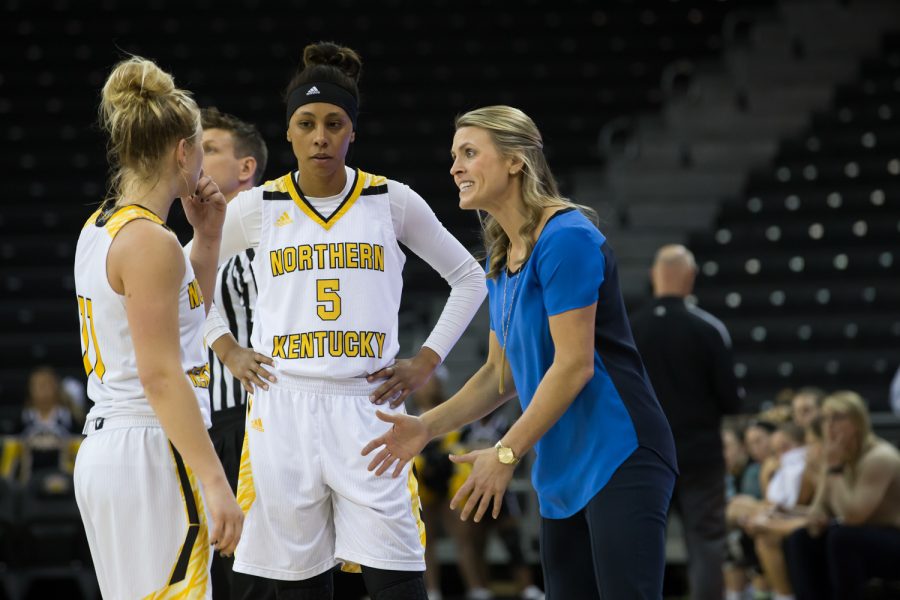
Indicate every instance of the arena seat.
{"type": "Point", "coordinates": [53, 544]}
{"type": "Point", "coordinates": [9, 503]}
{"type": "Point", "coordinates": [803, 265]}
{"type": "Point", "coordinates": [573, 67]}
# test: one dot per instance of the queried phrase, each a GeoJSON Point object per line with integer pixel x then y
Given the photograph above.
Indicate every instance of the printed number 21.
{"type": "Point", "coordinates": [329, 307]}
{"type": "Point", "coordinates": [86, 312]}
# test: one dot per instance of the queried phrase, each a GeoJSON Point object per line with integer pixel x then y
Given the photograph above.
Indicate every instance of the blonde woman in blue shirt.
{"type": "Point", "coordinates": [560, 340]}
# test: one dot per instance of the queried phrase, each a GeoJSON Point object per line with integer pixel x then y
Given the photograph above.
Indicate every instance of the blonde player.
{"type": "Point", "coordinates": [142, 312]}
{"type": "Point", "coordinates": [328, 265]}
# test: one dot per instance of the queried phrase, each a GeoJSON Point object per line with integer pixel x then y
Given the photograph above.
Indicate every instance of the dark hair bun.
{"type": "Point", "coordinates": [330, 54]}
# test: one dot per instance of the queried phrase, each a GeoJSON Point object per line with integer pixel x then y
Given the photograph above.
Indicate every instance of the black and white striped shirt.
{"type": "Point", "coordinates": [235, 298]}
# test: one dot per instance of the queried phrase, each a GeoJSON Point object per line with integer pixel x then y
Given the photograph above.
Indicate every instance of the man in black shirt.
{"type": "Point", "coordinates": [687, 353]}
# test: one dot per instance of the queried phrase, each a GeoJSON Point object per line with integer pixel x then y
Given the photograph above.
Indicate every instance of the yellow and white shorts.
{"type": "Point", "coordinates": [143, 512]}
{"type": "Point", "coordinates": [310, 502]}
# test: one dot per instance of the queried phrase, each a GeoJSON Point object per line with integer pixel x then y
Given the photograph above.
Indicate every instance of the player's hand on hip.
{"type": "Point", "coordinates": [205, 208]}
{"type": "Point", "coordinates": [226, 516]}
{"type": "Point", "coordinates": [247, 366]}
{"type": "Point", "coordinates": [400, 444]}
{"type": "Point", "coordinates": [404, 377]}
{"type": "Point", "coordinates": [487, 481]}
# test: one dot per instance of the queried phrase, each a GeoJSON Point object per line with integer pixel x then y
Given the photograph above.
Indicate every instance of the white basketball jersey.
{"type": "Point", "coordinates": [106, 344]}
{"type": "Point", "coordinates": [329, 287]}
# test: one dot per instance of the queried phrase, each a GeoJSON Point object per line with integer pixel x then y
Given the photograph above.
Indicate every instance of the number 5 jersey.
{"type": "Point", "coordinates": [329, 272]}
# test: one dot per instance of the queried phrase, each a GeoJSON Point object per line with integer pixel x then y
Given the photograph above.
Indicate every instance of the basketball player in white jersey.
{"type": "Point", "coordinates": [234, 157]}
{"type": "Point", "coordinates": [147, 474]}
{"type": "Point", "coordinates": [328, 265]}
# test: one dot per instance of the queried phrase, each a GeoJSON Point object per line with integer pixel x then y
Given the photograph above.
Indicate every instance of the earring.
{"type": "Point", "coordinates": [186, 184]}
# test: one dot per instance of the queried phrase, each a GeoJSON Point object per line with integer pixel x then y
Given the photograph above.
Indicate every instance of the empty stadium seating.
{"type": "Point", "coordinates": [573, 66]}
{"type": "Point", "coordinates": [803, 266]}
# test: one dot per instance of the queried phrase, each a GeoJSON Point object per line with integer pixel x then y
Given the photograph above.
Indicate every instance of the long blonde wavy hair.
{"type": "Point", "coordinates": [516, 136]}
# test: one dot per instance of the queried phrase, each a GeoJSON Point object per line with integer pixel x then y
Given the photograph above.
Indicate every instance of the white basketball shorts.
{"type": "Point", "coordinates": [143, 512]}
{"type": "Point", "coordinates": [309, 500]}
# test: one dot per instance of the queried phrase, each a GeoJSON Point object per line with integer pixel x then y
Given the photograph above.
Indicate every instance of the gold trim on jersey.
{"type": "Point", "coordinates": [246, 492]}
{"type": "Point", "coordinates": [375, 180]}
{"type": "Point", "coordinates": [351, 567]}
{"type": "Point", "coordinates": [277, 189]}
{"type": "Point", "coordinates": [363, 180]}
{"type": "Point", "coordinates": [190, 573]}
{"type": "Point", "coordinates": [124, 215]}
{"type": "Point", "coordinates": [412, 485]}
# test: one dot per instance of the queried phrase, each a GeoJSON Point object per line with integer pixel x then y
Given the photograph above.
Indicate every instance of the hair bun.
{"type": "Point", "coordinates": [136, 79]}
{"type": "Point", "coordinates": [331, 54]}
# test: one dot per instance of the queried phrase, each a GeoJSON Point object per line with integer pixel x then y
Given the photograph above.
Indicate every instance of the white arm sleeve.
{"type": "Point", "coordinates": [215, 326]}
{"type": "Point", "coordinates": [241, 230]}
{"type": "Point", "coordinates": [420, 230]}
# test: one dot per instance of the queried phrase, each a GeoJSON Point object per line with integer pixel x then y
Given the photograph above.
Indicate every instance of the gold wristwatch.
{"type": "Point", "coordinates": [506, 455]}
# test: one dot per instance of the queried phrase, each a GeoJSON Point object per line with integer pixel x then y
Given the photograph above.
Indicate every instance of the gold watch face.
{"type": "Point", "coordinates": [506, 455]}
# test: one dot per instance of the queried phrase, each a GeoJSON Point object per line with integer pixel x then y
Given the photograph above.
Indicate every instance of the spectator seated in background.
{"type": "Point", "coordinates": [853, 531]}
{"type": "Point", "coordinates": [758, 442]}
{"type": "Point", "coordinates": [760, 438]}
{"type": "Point", "coordinates": [771, 525]}
{"type": "Point", "coordinates": [780, 410]}
{"type": "Point", "coordinates": [737, 463]}
{"type": "Point", "coordinates": [741, 479]}
{"type": "Point", "coordinates": [783, 487]}
{"type": "Point", "coordinates": [806, 406]}
{"type": "Point", "coordinates": [76, 390]}
{"type": "Point", "coordinates": [50, 428]}
{"type": "Point", "coordinates": [786, 487]}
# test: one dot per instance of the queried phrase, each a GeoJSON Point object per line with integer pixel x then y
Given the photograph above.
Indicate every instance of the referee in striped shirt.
{"type": "Point", "coordinates": [234, 156]}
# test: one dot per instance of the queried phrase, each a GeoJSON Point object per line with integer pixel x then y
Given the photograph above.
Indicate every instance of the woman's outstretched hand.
{"type": "Point", "coordinates": [487, 481]}
{"type": "Point", "coordinates": [401, 443]}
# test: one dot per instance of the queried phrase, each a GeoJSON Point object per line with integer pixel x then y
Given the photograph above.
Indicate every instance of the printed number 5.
{"type": "Point", "coordinates": [326, 294]}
